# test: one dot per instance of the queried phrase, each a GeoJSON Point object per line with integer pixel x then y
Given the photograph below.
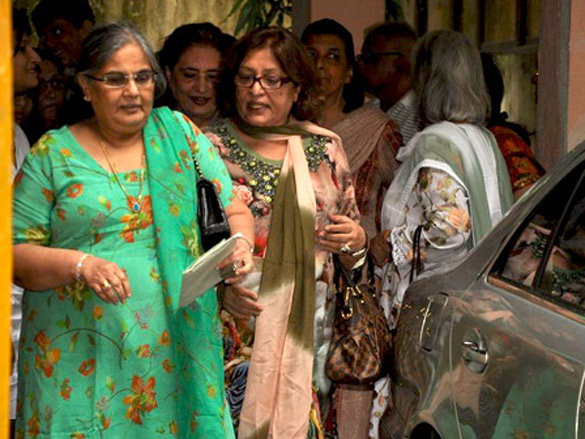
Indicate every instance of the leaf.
{"type": "Point", "coordinates": [244, 17]}
{"type": "Point", "coordinates": [110, 384]}
{"type": "Point", "coordinates": [73, 342]}
{"type": "Point", "coordinates": [234, 9]}
{"type": "Point", "coordinates": [91, 339]}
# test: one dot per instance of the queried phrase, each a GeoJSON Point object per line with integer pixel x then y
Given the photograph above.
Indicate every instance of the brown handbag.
{"type": "Point", "coordinates": [361, 344]}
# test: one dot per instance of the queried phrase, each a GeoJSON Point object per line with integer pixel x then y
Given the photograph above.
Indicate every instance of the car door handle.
{"type": "Point", "coordinates": [475, 354]}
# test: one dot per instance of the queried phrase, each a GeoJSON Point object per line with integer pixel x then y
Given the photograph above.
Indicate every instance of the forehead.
{"type": "Point", "coordinates": [61, 23]}
{"type": "Point", "coordinates": [128, 58]}
{"type": "Point", "coordinates": [326, 41]}
{"type": "Point", "coordinates": [48, 68]}
{"type": "Point", "coordinates": [382, 43]}
{"type": "Point", "coordinates": [198, 57]}
{"type": "Point", "coordinates": [261, 59]}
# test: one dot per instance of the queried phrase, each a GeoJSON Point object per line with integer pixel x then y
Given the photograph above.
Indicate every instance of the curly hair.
{"type": "Point", "coordinates": [292, 58]}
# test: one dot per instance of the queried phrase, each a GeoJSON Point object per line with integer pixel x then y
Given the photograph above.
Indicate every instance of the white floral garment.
{"type": "Point", "coordinates": [438, 202]}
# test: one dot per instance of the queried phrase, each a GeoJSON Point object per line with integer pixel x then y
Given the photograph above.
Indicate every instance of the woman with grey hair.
{"type": "Point", "coordinates": [452, 186]}
{"type": "Point", "coordinates": [105, 222]}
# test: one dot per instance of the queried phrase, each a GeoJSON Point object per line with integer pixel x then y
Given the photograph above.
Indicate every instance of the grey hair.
{"type": "Point", "coordinates": [448, 79]}
{"type": "Point", "coordinates": [101, 44]}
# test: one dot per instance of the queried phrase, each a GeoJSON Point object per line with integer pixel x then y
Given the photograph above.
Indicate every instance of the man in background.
{"type": "Point", "coordinates": [385, 65]}
{"type": "Point", "coordinates": [61, 26]}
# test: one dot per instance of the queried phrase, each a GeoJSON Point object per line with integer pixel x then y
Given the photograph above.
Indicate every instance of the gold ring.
{"type": "Point", "coordinates": [344, 249]}
{"type": "Point", "coordinates": [106, 284]}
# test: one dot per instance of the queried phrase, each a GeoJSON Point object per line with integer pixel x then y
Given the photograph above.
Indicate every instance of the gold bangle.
{"type": "Point", "coordinates": [247, 241]}
{"type": "Point", "coordinates": [80, 266]}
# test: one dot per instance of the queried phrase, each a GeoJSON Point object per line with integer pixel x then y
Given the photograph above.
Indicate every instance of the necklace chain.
{"type": "Point", "coordinates": [134, 201]}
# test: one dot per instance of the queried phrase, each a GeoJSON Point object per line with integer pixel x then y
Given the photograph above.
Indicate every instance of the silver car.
{"type": "Point", "coordinates": [495, 348]}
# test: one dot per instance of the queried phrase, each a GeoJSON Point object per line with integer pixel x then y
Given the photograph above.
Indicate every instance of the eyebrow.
{"type": "Point", "coordinates": [263, 72]}
{"type": "Point", "coordinates": [193, 69]}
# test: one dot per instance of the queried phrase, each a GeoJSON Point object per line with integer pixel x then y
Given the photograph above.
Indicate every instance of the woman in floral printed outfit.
{"type": "Point", "coordinates": [452, 186]}
{"type": "Point", "coordinates": [104, 225]}
{"type": "Point", "coordinates": [295, 178]}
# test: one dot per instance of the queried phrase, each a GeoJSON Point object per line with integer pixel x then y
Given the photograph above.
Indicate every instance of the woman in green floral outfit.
{"type": "Point", "coordinates": [104, 224]}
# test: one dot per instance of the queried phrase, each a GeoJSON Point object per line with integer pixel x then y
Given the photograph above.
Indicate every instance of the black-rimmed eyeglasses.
{"type": "Point", "coordinates": [268, 82]}
{"type": "Point", "coordinates": [373, 57]}
{"type": "Point", "coordinates": [119, 80]}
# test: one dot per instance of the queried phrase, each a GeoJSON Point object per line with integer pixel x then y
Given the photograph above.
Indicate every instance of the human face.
{"type": "Point", "coordinates": [332, 65]}
{"type": "Point", "coordinates": [64, 39]}
{"type": "Point", "coordinates": [51, 96]}
{"type": "Point", "coordinates": [23, 105]}
{"type": "Point", "coordinates": [193, 81]}
{"type": "Point", "coordinates": [25, 64]}
{"type": "Point", "coordinates": [260, 107]}
{"type": "Point", "coordinates": [126, 109]}
{"type": "Point", "coordinates": [380, 71]}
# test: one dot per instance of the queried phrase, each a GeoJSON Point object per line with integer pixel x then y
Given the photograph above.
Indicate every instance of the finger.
{"type": "Point", "coordinates": [126, 284]}
{"type": "Point", "coordinates": [340, 228]}
{"type": "Point", "coordinates": [339, 218]}
{"type": "Point", "coordinates": [246, 293]}
{"type": "Point", "coordinates": [104, 293]}
{"type": "Point", "coordinates": [118, 289]}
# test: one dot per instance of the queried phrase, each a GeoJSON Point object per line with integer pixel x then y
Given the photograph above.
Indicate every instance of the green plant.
{"type": "Point", "coordinates": [258, 13]}
{"type": "Point", "coordinates": [393, 10]}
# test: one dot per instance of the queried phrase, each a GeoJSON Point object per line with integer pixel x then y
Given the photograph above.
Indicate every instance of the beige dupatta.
{"type": "Point", "coordinates": [278, 395]}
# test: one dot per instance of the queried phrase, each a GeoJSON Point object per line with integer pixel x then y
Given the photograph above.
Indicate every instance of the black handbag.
{"type": "Point", "coordinates": [213, 224]}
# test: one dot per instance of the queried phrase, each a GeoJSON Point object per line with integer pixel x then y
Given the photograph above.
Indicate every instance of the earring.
{"type": "Point", "coordinates": [86, 98]}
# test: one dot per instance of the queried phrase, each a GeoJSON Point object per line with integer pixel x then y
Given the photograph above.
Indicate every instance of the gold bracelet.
{"type": "Point", "coordinates": [80, 266]}
{"type": "Point", "coordinates": [247, 241]}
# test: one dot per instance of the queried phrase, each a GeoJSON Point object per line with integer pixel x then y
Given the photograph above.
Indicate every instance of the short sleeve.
{"type": "Point", "coordinates": [211, 164]}
{"type": "Point", "coordinates": [34, 197]}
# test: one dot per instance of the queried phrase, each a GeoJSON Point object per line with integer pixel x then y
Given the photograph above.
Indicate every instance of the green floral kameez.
{"type": "Point", "coordinates": [144, 369]}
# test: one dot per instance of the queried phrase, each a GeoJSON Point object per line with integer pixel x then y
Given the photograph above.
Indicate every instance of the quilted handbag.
{"type": "Point", "coordinates": [361, 344]}
{"type": "Point", "coordinates": [213, 224]}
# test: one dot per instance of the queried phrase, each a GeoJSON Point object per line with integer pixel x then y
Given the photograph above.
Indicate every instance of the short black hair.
{"type": "Point", "coordinates": [20, 27]}
{"type": "Point", "coordinates": [183, 37]}
{"type": "Point", "coordinates": [353, 93]}
{"type": "Point", "coordinates": [74, 11]}
{"type": "Point", "coordinates": [392, 29]}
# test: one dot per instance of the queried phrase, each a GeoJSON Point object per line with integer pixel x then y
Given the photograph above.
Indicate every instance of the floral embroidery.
{"type": "Point", "coordinates": [263, 175]}
{"type": "Point", "coordinates": [87, 367]}
{"type": "Point", "coordinates": [134, 222]}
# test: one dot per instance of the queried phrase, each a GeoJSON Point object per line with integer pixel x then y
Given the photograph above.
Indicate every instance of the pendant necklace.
{"type": "Point", "coordinates": [133, 201]}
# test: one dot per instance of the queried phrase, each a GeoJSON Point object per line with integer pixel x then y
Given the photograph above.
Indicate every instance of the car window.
{"type": "Point", "coordinates": [547, 255]}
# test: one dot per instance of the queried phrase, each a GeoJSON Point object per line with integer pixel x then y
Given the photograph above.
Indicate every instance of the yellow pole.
{"type": "Point", "coordinates": [6, 150]}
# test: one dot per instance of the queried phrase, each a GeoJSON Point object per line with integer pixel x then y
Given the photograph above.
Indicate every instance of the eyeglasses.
{"type": "Point", "coordinates": [372, 57]}
{"type": "Point", "coordinates": [120, 80]}
{"type": "Point", "coordinates": [269, 82]}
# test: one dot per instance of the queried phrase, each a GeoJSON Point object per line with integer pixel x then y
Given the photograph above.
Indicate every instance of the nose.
{"type": "Point", "coordinates": [33, 56]}
{"type": "Point", "coordinates": [256, 88]}
{"type": "Point", "coordinates": [318, 62]}
{"type": "Point", "coordinates": [131, 88]}
{"type": "Point", "coordinates": [201, 83]}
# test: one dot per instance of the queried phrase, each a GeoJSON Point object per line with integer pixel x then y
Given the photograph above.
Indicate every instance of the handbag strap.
{"type": "Point", "coordinates": [416, 265]}
{"type": "Point", "coordinates": [350, 280]}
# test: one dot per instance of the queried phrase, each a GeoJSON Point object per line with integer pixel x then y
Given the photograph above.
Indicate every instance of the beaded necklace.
{"type": "Point", "coordinates": [133, 201]}
{"type": "Point", "coordinates": [264, 175]}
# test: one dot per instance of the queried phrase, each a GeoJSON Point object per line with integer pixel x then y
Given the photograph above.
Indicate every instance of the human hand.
{"type": "Point", "coordinates": [342, 232]}
{"type": "Point", "coordinates": [241, 261]}
{"type": "Point", "coordinates": [380, 248]}
{"type": "Point", "coordinates": [241, 302]}
{"type": "Point", "coordinates": [106, 279]}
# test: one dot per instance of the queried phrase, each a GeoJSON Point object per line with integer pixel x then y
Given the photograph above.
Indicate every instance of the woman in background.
{"type": "Point", "coordinates": [512, 138]}
{"type": "Point", "coordinates": [370, 138]}
{"type": "Point", "coordinates": [192, 58]}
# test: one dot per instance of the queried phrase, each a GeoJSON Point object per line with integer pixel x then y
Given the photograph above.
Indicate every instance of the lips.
{"type": "Point", "coordinates": [257, 106]}
{"type": "Point", "coordinates": [131, 108]}
{"type": "Point", "coordinates": [200, 100]}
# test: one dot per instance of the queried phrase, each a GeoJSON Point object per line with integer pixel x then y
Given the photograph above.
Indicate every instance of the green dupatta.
{"type": "Point", "coordinates": [195, 330]}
